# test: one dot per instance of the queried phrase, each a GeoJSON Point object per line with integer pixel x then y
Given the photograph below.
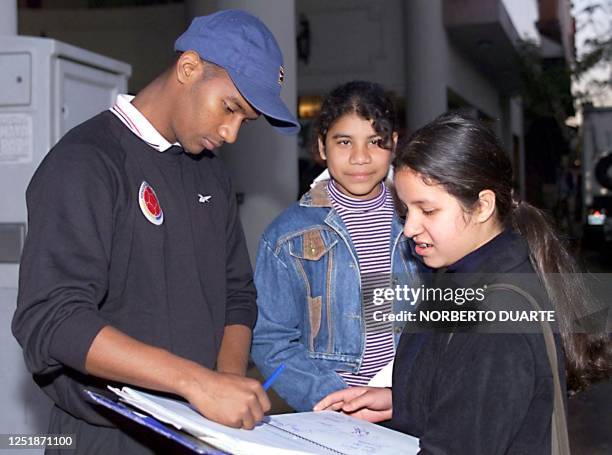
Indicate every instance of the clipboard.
{"type": "Point", "coordinates": [321, 433]}
{"type": "Point", "coordinates": [179, 437]}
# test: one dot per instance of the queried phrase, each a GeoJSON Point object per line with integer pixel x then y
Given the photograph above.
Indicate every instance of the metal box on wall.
{"type": "Point", "coordinates": [46, 88]}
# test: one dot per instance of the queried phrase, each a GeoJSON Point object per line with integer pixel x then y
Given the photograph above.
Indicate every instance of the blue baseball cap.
{"type": "Point", "coordinates": [241, 44]}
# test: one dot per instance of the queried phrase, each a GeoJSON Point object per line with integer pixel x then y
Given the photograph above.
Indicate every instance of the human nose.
{"type": "Point", "coordinates": [229, 131]}
{"type": "Point", "coordinates": [359, 155]}
{"type": "Point", "coordinates": [412, 225]}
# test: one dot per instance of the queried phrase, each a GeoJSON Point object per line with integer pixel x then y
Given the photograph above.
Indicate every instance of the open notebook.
{"type": "Point", "coordinates": [298, 433]}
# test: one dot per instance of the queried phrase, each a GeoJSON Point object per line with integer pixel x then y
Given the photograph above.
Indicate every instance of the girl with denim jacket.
{"type": "Point", "coordinates": [323, 261]}
{"type": "Point", "coordinates": [482, 388]}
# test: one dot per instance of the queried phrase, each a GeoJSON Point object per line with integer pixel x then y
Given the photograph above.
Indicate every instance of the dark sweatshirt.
{"type": "Point", "coordinates": [479, 392]}
{"type": "Point", "coordinates": [93, 259]}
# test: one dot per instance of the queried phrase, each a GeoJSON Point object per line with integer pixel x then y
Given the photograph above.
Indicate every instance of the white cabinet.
{"type": "Point", "coordinates": [82, 92]}
{"type": "Point", "coordinates": [15, 79]}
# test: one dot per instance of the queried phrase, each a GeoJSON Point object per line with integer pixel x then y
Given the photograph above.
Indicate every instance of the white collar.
{"type": "Point", "coordinates": [138, 123]}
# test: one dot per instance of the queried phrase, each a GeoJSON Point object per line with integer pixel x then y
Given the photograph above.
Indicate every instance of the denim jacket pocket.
{"type": "Point", "coordinates": [313, 246]}
{"type": "Point", "coordinates": [313, 254]}
{"type": "Point", "coordinates": [314, 313]}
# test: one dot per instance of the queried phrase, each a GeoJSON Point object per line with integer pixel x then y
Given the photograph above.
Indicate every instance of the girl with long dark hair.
{"type": "Point", "coordinates": [470, 391]}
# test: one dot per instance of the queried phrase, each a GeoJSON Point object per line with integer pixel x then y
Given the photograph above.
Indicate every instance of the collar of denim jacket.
{"type": "Point", "coordinates": [318, 195]}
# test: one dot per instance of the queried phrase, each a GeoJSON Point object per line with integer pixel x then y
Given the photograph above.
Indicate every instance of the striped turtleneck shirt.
{"type": "Point", "coordinates": [369, 226]}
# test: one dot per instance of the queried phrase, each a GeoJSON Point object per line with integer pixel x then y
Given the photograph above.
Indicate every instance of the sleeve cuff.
{"type": "Point", "coordinates": [241, 316]}
{"type": "Point", "coordinates": [73, 337]}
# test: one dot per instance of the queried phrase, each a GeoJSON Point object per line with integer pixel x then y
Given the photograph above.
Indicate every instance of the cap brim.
{"type": "Point", "coordinates": [269, 104]}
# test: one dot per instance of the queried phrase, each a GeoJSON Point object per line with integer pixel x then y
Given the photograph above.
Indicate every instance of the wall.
{"type": "Point", "coordinates": [462, 77]}
{"type": "Point", "coordinates": [263, 163]}
{"type": "Point", "coordinates": [352, 39]}
{"type": "Point", "coordinates": [524, 15]}
{"type": "Point", "coordinates": [426, 62]}
{"type": "Point", "coordinates": [404, 46]}
{"type": "Point", "coordinates": [433, 65]}
{"type": "Point", "coordinates": [144, 37]}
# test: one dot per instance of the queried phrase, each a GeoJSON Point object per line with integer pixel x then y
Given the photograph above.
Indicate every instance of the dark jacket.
{"type": "Point", "coordinates": [480, 392]}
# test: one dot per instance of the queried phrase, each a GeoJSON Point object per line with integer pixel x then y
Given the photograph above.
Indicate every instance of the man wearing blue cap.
{"type": "Point", "coordinates": [135, 269]}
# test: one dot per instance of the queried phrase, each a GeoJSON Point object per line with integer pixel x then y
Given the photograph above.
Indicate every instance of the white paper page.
{"type": "Point", "coordinates": [280, 434]}
{"type": "Point", "coordinates": [346, 434]}
{"type": "Point", "coordinates": [384, 378]}
{"type": "Point", "coordinates": [264, 439]}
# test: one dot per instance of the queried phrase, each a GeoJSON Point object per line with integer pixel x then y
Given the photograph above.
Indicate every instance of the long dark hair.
{"type": "Point", "coordinates": [465, 157]}
{"type": "Point", "coordinates": [366, 99]}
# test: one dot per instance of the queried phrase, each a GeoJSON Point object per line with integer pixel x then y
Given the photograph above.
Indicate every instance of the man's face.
{"type": "Point", "coordinates": [210, 112]}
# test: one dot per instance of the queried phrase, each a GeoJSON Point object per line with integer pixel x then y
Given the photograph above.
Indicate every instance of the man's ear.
{"type": "Point", "coordinates": [486, 206]}
{"type": "Point", "coordinates": [188, 67]}
{"type": "Point", "coordinates": [321, 148]}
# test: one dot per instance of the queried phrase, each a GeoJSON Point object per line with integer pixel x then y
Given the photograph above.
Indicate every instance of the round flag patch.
{"type": "Point", "coordinates": [149, 204]}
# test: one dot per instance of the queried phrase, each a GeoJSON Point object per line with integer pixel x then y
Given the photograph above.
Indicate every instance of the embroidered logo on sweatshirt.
{"type": "Point", "coordinates": [149, 204]}
{"type": "Point", "coordinates": [204, 199]}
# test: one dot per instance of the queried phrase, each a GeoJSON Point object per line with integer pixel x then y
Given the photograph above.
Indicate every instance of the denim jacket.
{"type": "Point", "coordinates": [309, 299]}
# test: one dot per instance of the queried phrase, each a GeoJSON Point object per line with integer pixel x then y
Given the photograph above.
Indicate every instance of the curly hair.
{"type": "Point", "coordinates": [366, 99]}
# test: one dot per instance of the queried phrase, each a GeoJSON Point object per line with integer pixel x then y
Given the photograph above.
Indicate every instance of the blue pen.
{"type": "Point", "coordinates": [272, 378]}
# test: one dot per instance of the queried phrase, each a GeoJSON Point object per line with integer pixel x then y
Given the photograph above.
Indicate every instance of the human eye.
{"type": "Point", "coordinates": [428, 212]}
{"type": "Point", "coordinates": [376, 141]}
{"type": "Point", "coordinates": [344, 142]}
{"type": "Point", "coordinates": [228, 108]}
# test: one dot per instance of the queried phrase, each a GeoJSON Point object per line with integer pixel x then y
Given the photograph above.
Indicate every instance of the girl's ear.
{"type": "Point", "coordinates": [486, 206]}
{"type": "Point", "coordinates": [321, 148]}
{"type": "Point", "coordinates": [395, 136]}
